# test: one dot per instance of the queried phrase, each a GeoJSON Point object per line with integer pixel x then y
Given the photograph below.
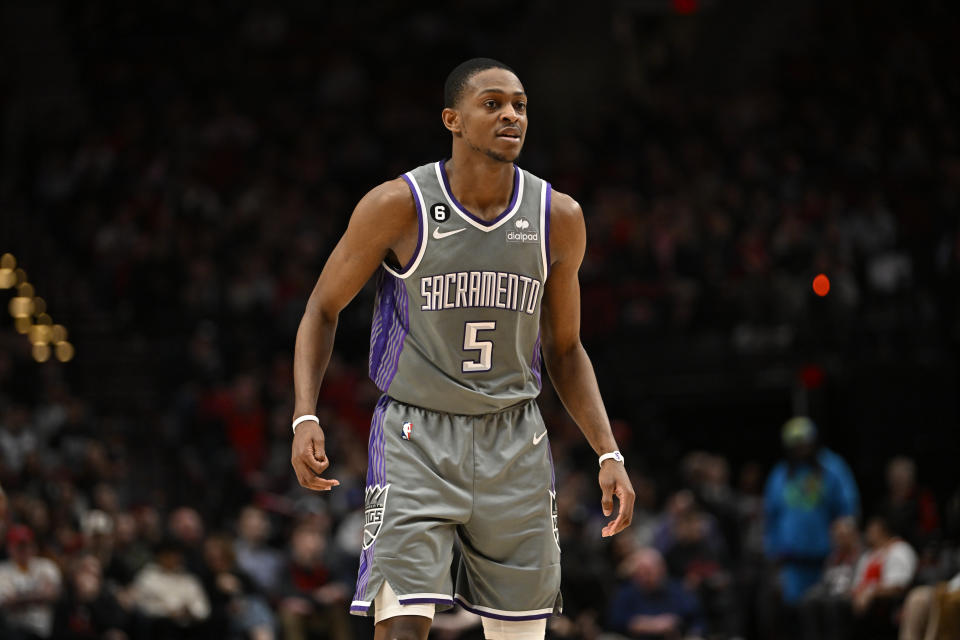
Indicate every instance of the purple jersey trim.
{"type": "Point", "coordinates": [486, 223]}
{"type": "Point", "coordinates": [499, 616]}
{"type": "Point", "coordinates": [416, 201]}
{"type": "Point", "coordinates": [358, 607]}
{"type": "Point", "coordinates": [546, 231]}
{"type": "Point", "coordinates": [535, 362]}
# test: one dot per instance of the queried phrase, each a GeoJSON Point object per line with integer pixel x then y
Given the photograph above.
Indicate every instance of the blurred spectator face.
{"type": "Point", "coordinates": [218, 554]}
{"type": "Point", "coordinates": [20, 544]}
{"type": "Point", "coordinates": [844, 533]}
{"type": "Point", "coordinates": [901, 477]}
{"type": "Point", "coordinates": [186, 526]}
{"type": "Point", "coordinates": [716, 471]}
{"type": "Point", "coordinates": [877, 533]}
{"type": "Point", "coordinates": [87, 578]}
{"type": "Point", "coordinates": [148, 523]}
{"type": "Point", "coordinates": [169, 559]}
{"type": "Point", "coordinates": [690, 527]}
{"type": "Point", "coordinates": [125, 528]}
{"type": "Point", "coordinates": [307, 546]}
{"type": "Point", "coordinates": [649, 570]}
{"type": "Point", "coordinates": [105, 497]}
{"type": "Point", "coordinates": [681, 502]}
{"type": "Point", "coordinates": [254, 527]}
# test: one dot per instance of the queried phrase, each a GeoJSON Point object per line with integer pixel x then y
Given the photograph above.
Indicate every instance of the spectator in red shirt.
{"type": "Point", "coordinates": [313, 596]}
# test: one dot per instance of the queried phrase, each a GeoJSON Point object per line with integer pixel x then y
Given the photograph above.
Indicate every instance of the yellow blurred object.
{"type": "Point", "coordinates": [44, 318]}
{"type": "Point", "coordinates": [7, 278]}
{"type": "Point", "coordinates": [7, 261]}
{"type": "Point", "coordinates": [25, 290]}
{"type": "Point", "coordinates": [22, 324]}
{"type": "Point", "coordinates": [21, 307]}
{"type": "Point", "coordinates": [21, 275]}
{"type": "Point", "coordinates": [58, 333]}
{"type": "Point", "coordinates": [64, 351]}
{"type": "Point", "coordinates": [39, 334]}
{"type": "Point", "coordinates": [41, 352]}
{"type": "Point", "coordinates": [39, 305]}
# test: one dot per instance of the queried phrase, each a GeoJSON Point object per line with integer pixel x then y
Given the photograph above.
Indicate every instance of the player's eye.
{"type": "Point", "coordinates": [490, 104]}
{"type": "Point", "coordinates": [520, 107]}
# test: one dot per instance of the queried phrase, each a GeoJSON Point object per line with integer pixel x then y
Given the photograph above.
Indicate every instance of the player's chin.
{"type": "Point", "coordinates": [505, 155]}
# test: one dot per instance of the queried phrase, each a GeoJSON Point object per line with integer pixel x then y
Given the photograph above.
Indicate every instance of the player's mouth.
{"type": "Point", "coordinates": [510, 134]}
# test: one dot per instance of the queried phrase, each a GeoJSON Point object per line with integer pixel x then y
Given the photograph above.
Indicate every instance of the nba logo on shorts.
{"type": "Point", "coordinates": [406, 432]}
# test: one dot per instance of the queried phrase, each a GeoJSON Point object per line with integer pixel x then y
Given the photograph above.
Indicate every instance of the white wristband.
{"type": "Point", "coordinates": [304, 419]}
{"type": "Point", "coordinates": [613, 455]}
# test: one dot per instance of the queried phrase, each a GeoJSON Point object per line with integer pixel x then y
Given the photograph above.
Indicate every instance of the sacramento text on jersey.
{"type": "Point", "coordinates": [464, 289]}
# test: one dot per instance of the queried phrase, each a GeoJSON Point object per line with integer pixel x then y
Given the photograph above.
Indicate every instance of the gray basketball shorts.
{"type": "Point", "coordinates": [486, 480]}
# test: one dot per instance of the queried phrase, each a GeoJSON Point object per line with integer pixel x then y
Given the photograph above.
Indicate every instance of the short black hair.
{"type": "Point", "coordinates": [458, 78]}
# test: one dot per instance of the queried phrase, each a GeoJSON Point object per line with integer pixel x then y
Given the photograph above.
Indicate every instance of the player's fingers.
{"type": "Point", "coordinates": [606, 500]}
{"type": "Point", "coordinates": [309, 480]}
{"type": "Point", "coordinates": [314, 460]}
{"type": "Point", "coordinates": [626, 496]}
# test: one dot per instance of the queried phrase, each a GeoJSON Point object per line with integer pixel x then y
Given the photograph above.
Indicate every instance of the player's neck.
{"type": "Point", "coordinates": [481, 184]}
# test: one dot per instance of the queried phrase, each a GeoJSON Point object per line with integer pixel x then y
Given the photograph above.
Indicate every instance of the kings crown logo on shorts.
{"type": "Point", "coordinates": [520, 232]}
{"type": "Point", "coordinates": [374, 503]}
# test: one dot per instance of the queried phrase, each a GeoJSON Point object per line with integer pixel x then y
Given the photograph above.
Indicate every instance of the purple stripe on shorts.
{"type": "Point", "coordinates": [359, 607]}
{"type": "Point", "coordinates": [376, 475]}
{"type": "Point", "coordinates": [499, 616]}
{"type": "Point", "coordinates": [486, 223]}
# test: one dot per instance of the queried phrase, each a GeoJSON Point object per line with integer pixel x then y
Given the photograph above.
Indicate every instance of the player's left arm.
{"type": "Point", "coordinates": [567, 361]}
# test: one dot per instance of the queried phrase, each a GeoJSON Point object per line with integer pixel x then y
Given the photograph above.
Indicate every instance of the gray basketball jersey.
{"type": "Point", "coordinates": [457, 330]}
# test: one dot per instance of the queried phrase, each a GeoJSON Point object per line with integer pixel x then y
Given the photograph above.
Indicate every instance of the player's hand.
{"type": "Point", "coordinates": [614, 481]}
{"type": "Point", "coordinates": [309, 458]}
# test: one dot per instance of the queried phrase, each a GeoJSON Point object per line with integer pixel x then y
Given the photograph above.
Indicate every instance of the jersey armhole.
{"type": "Point", "coordinates": [545, 197]}
{"type": "Point", "coordinates": [411, 266]}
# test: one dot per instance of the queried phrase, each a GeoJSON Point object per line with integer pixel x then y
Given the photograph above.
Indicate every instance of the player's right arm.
{"type": "Point", "coordinates": [383, 224]}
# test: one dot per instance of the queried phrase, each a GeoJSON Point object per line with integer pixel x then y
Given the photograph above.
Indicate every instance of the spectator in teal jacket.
{"type": "Point", "coordinates": [804, 495]}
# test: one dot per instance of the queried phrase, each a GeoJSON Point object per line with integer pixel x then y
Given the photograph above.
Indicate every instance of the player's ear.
{"type": "Point", "coordinates": [451, 120]}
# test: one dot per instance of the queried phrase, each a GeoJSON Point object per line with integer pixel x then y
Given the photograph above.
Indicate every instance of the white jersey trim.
{"type": "Point", "coordinates": [422, 220]}
{"type": "Point", "coordinates": [469, 218]}
{"type": "Point", "coordinates": [543, 228]}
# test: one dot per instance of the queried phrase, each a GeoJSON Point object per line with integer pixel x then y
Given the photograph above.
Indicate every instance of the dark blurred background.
{"type": "Point", "coordinates": [174, 174]}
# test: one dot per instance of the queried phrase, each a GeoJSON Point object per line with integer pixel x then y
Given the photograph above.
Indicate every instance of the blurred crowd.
{"type": "Point", "coordinates": [178, 217]}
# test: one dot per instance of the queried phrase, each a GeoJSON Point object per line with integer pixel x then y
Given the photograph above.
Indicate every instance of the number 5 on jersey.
{"type": "Point", "coordinates": [471, 343]}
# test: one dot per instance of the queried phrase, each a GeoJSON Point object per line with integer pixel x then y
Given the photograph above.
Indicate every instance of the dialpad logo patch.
{"type": "Point", "coordinates": [374, 503]}
{"type": "Point", "coordinates": [521, 232]}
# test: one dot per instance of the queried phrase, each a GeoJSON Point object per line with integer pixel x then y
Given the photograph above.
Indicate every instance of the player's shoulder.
{"type": "Point", "coordinates": [388, 204]}
{"type": "Point", "coordinates": [564, 210]}
{"type": "Point", "coordinates": [567, 228]}
{"type": "Point", "coordinates": [391, 194]}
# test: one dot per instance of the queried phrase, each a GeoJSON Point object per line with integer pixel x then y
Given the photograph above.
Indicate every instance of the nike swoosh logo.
{"type": "Point", "coordinates": [437, 234]}
{"type": "Point", "coordinates": [538, 438]}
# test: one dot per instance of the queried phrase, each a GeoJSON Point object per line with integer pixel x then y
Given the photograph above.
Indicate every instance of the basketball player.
{"type": "Point", "coordinates": [477, 265]}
